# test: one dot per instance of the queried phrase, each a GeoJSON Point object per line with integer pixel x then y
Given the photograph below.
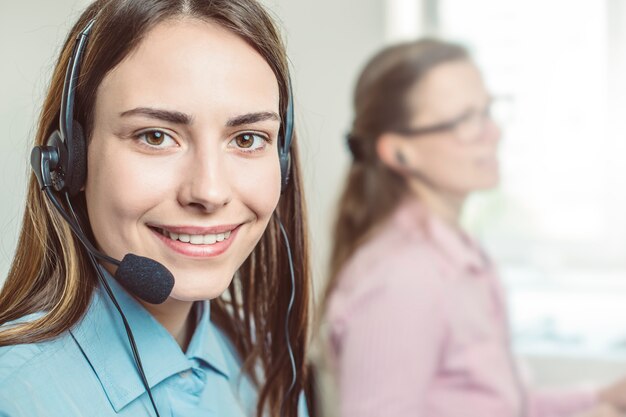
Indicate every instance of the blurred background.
{"type": "Point", "coordinates": [556, 226]}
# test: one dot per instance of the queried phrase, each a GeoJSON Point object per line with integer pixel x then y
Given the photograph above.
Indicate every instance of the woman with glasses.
{"type": "Point", "coordinates": [415, 316]}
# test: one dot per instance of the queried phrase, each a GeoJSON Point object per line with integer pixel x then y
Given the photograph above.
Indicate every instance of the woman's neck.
{"type": "Point", "coordinates": [446, 206]}
{"type": "Point", "coordinates": [177, 317]}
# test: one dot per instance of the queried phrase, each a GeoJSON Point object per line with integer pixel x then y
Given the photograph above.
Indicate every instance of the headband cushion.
{"type": "Point", "coordinates": [78, 158]}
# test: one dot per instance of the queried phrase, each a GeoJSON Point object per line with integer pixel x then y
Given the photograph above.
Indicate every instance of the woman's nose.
{"type": "Point", "coordinates": [206, 183]}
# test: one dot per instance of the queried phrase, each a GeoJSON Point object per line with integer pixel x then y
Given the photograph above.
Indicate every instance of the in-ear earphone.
{"type": "Point", "coordinates": [400, 157]}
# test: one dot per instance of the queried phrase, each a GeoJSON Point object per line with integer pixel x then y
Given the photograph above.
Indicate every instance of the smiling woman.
{"type": "Point", "coordinates": [184, 107]}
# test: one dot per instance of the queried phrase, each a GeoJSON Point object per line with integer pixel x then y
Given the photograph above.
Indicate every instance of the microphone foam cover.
{"type": "Point", "coordinates": [145, 278]}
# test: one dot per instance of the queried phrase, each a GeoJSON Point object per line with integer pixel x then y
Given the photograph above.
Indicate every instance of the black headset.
{"type": "Point", "coordinates": [61, 165]}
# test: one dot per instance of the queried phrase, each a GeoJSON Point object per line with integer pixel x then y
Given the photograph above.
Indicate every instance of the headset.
{"type": "Point", "coordinates": [60, 167]}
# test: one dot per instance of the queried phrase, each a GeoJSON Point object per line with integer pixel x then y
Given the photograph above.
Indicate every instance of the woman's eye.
{"type": "Point", "coordinates": [249, 142]}
{"type": "Point", "coordinates": [156, 138]}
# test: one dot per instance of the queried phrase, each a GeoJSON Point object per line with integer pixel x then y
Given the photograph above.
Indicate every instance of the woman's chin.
{"type": "Point", "coordinates": [488, 180]}
{"type": "Point", "coordinates": [490, 184]}
{"type": "Point", "coordinates": [186, 291]}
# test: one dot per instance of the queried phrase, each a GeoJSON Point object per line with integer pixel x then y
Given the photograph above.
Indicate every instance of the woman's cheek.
{"type": "Point", "coordinates": [258, 184]}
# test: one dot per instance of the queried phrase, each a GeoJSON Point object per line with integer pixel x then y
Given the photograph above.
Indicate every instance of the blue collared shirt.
{"type": "Point", "coordinates": [90, 371]}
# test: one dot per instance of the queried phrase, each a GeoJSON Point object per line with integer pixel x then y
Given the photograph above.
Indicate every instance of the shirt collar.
{"type": "Point", "coordinates": [102, 337]}
{"type": "Point", "coordinates": [208, 345]}
{"type": "Point", "coordinates": [453, 243]}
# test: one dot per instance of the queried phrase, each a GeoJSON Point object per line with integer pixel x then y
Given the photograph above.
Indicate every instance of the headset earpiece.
{"type": "Point", "coordinates": [70, 169]}
{"type": "Point", "coordinates": [285, 165]}
{"type": "Point", "coordinates": [44, 160]}
{"type": "Point", "coordinates": [284, 147]}
{"type": "Point", "coordinates": [77, 167]}
{"type": "Point", "coordinates": [56, 172]}
{"type": "Point", "coordinates": [62, 163]}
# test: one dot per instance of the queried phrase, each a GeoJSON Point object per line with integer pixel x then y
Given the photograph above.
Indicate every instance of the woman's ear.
{"type": "Point", "coordinates": [396, 152]}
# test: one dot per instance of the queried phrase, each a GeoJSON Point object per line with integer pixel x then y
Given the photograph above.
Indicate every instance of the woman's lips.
{"type": "Point", "coordinates": [197, 242]}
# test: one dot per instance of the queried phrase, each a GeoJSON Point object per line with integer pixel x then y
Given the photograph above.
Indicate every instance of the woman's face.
{"type": "Point", "coordinates": [183, 161]}
{"type": "Point", "coordinates": [462, 159]}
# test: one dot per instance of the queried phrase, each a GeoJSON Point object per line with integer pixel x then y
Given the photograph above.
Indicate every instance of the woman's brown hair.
{"type": "Point", "coordinates": [373, 190]}
{"type": "Point", "coordinates": [51, 272]}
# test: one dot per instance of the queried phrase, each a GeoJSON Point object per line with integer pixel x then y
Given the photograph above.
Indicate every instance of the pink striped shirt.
{"type": "Point", "coordinates": [418, 327]}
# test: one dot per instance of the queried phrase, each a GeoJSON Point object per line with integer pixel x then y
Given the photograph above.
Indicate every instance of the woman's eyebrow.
{"type": "Point", "coordinates": [185, 119]}
{"type": "Point", "coordinates": [160, 114]}
{"type": "Point", "coordinates": [250, 118]}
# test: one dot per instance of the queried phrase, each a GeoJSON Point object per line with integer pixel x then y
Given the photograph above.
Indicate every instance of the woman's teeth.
{"type": "Point", "coordinates": [208, 239]}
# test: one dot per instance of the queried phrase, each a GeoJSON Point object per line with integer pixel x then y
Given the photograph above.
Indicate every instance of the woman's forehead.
{"type": "Point", "coordinates": [195, 66]}
{"type": "Point", "coordinates": [449, 88]}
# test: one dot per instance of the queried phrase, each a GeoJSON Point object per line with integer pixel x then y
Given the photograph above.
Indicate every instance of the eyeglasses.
{"type": "Point", "coordinates": [468, 126]}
